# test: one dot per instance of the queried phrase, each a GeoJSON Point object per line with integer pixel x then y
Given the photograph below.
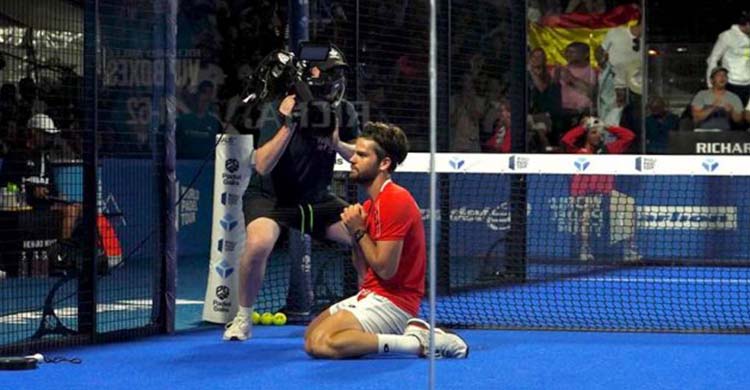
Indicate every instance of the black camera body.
{"type": "Point", "coordinates": [282, 72]}
{"type": "Point", "coordinates": [318, 94]}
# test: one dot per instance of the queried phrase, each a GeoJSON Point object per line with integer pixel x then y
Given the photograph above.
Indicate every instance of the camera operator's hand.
{"type": "Point", "coordinates": [334, 139]}
{"type": "Point", "coordinates": [287, 105]}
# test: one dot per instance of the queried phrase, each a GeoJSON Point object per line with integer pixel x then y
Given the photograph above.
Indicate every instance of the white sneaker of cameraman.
{"type": "Point", "coordinates": [447, 345]}
{"type": "Point", "coordinates": [239, 329]}
{"type": "Point", "coordinates": [3, 275]}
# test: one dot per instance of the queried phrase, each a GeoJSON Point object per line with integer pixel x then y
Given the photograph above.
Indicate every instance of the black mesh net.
{"type": "Point", "coordinates": [75, 141]}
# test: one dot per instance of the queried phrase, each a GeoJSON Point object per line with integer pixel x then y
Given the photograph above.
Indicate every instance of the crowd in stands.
{"type": "Point", "coordinates": [592, 79]}
{"type": "Point", "coordinates": [610, 88]}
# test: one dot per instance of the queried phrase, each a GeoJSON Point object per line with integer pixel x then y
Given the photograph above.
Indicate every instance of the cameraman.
{"type": "Point", "coordinates": [293, 171]}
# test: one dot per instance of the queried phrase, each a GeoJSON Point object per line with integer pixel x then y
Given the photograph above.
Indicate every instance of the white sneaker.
{"type": "Point", "coordinates": [238, 329]}
{"type": "Point", "coordinates": [586, 255]}
{"type": "Point", "coordinates": [447, 345]}
{"type": "Point", "coordinates": [3, 275]}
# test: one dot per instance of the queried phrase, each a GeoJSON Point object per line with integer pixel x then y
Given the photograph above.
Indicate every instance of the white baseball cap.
{"type": "Point", "coordinates": [42, 122]}
{"type": "Point", "coordinates": [594, 123]}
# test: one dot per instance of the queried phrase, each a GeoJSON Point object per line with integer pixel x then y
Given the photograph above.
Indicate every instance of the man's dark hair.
{"type": "Point", "coordinates": [390, 142]}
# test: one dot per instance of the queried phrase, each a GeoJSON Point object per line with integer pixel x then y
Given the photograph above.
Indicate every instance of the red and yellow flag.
{"type": "Point", "coordinates": [554, 33]}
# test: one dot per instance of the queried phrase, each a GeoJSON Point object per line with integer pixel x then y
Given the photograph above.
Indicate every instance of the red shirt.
{"type": "Point", "coordinates": [596, 184]}
{"type": "Point", "coordinates": [497, 144]}
{"type": "Point", "coordinates": [395, 216]}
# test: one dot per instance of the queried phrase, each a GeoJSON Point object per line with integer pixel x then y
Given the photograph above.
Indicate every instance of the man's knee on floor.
{"type": "Point", "coordinates": [324, 346]}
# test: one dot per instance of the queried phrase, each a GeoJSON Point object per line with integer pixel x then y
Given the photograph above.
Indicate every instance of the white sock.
{"type": "Point", "coordinates": [245, 312]}
{"type": "Point", "coordinates": [396, 343]}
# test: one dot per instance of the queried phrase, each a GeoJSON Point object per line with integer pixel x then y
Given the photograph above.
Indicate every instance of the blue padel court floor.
{"type": "Point", "coordinates": [197, 358]}
{"type": "Point", "coordinates": [274, 359]}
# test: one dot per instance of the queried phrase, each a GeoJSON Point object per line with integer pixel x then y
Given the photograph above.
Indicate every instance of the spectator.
{"type": "Point", "coordinates": [466, 112]}
{"type": "Point", "coordinates": [28, 166]}
{"type": "Point", "coordinates": [588, 138]}
{"type": "Point", "coordinates": [577, 82]}
{"type": "Point", "coordinates": [544, 94]}
{"type": "Point", "coordinates": [625, 55]}
{"type": "Point", "coordinates": [609, 101]}
{"type": "Point", "coordinates": [658, 125]}
{"type": "Point", "coordinates": [586, 6]}
{"type": "Point", "coordinates": [499, 121]}
{"type": "Point", "coordinates": [731, 49]}
{"type": "Point", "coordinates": [540, 8]}
{"type": "Point", "coordinates": [196, 131]}
{"type": "Point", "coordinates": [716, 108]}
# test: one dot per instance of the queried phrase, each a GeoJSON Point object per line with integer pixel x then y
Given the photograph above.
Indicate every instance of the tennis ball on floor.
{"type": "Point", "coordinates": [256, 318]}
{"type": "Point", "coordinates": [266, 318]}
{"type": "Point", "coordinates": [279, 319]}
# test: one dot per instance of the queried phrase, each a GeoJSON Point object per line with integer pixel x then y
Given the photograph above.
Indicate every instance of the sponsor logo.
{"type": "Point", "coordinates": [495, 218]}
{"type": "Point", "coordinates": [229, 199]}
{"type": "Point", "coordinates": [227, 140]}
{"type": "Point", "coordinates": [188, 207]}
{"type": "Point", "coordinates": [722, 147]}
{"type": "Point", "coordinates": [224, 269]}
{"type": "Point", "coordinates": [222, 292]}
{"type": "Point", "coordinates": [231, 178]}
{"type": "Point", "coordinates": [226, 246]}
{"type": "Point", "coordinates": [622, 216]}
{"type": "Point", "coordinates": [456, 162]}
{"type": "Point", "coordinates": [221, 306]}
{"type": "Point", "coordinates": [645, 164]}
{"type": "Point", "coordinates": [710, 164]}
{"type": "Point", "coordinates": [232, 165]}
{"type": "Point", "coordinates": [581, 164]}
{"type": "Point", "coordinates": [228, 223]}
{"type": "Point", "coordinates": [515, 162]}
{"type": "Point", "coordinates": [687, 217]}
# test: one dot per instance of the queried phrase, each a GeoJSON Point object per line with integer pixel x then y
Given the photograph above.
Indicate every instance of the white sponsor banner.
{"type": "Point", "coordinates": [234, 159]}
{"type": "Point", "coordinates": [573, 164]}
{"type": "Point", "coordinates": [625, 216]}
{"type": "Point", "coordinates": [687, 217]}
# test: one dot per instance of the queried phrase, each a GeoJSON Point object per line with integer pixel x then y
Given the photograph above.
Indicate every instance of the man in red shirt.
{"type": "Point", "coordinates": [588, 190]}
{"type": "Point", "coordinates": [389, 256]}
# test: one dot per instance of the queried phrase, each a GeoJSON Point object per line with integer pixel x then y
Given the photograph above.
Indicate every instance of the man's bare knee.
{"type": "Point", "coordinates": [309, 347]}
{"type": "Point", "coordinates": [327, 347]}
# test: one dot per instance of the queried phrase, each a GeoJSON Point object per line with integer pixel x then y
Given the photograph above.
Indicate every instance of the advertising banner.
{"type": "Point", "coordinates": [234, 158]}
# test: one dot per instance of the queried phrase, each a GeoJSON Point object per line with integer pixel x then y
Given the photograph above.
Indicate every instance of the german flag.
{"type": "Point", "coordinates": [554, 33]}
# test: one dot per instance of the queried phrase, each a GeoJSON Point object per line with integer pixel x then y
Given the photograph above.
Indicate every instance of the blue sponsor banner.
{"type": "Point", "coordinates": [674, 217]}
{"type": "Point", "coordinates": [194, 212]}
{"type": "Point", "coordinates": [132, 200]}
{"type": "Point", "coordinates": [664, 217]}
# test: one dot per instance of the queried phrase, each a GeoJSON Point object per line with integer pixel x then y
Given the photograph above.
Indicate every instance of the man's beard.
{"type": "Point", "coordinates": [363, 177]}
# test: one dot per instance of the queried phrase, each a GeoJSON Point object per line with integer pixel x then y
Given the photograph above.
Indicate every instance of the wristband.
{"type": "Point", "coordinates": [359, 234]}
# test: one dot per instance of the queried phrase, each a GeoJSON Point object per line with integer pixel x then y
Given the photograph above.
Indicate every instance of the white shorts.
{"type": "Point", "coordinates": [376, 313]}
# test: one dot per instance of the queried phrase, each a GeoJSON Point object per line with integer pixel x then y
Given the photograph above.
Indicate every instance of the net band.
{"type": "Point", "coordinates": [572, 164]}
